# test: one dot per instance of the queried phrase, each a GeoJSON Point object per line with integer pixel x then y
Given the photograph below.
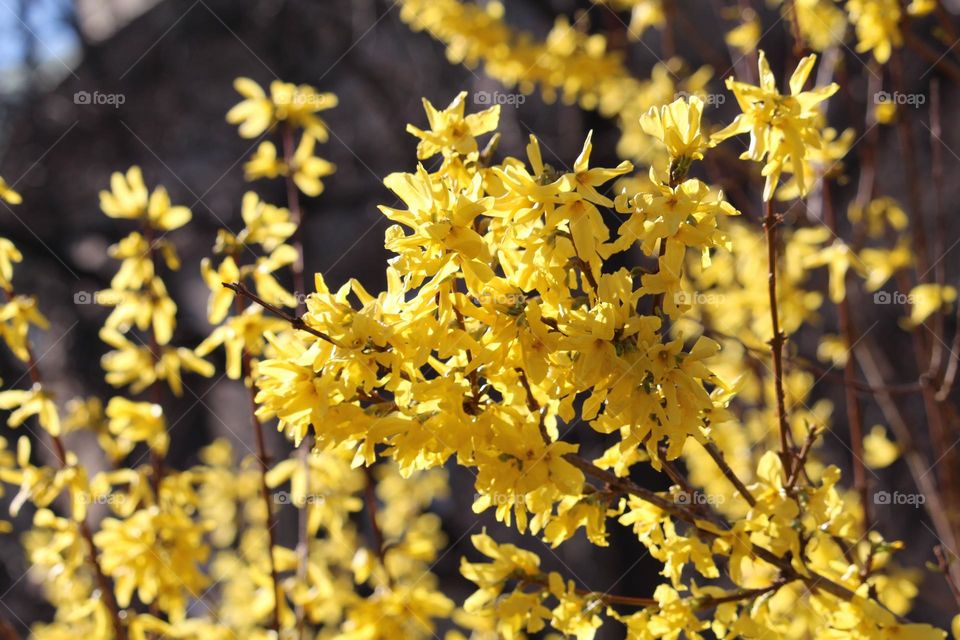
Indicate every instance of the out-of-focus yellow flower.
{"type": "Point", "coordinates": [265, 224]}
{"type": "Point", "coordinates": [745, 36]}
{"type": "Point", "coordinates": [8, 255]}
{"type": "Point", "coordinates": [220, 297]}
{"type": "Point", "coordinates": [308, 168]}
{"type": "Point", "coordinates": [880, 215]}
{"type": "Point", "coordinates": [34, 402]}
{"type": "Point", "coordinates": [129, 198]}
{"type": "Point", "coordinates": [926, 300]}
{"type": "Point", "coordinates": [138, 422]}
{"type": "Point", "coordinates": [297, 105]}
{"type": "Point", "coordinates": [7, 194]}
{"type": "Point", "coordinates": [878, 450]}
{"type": "Point", "coordinates": [155, 553]}
{"type": "Point", "coordinates": [16, 316]}
{"type": "Point", "coordinates": [877, 24]}
{"type": "Point", "coordinates": [833, 349]}
{"type": "Point", "coordinates": [885, 112]}
{"type": "Point", "coordinates": [264, 163]}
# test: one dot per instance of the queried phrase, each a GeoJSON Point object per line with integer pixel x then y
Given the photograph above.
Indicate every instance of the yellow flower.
{"type": "Point", "coordinates": [130, 364]}
{"type": "Point", "coordinates": [138, 422]}
{"type": "Point", "coordinates": [128, 195]}
{"type": "Point", "coordinates": [677, 126]}
{"type": "Point", "coordinates": [745, 36]}
{"type": "Point", "coordinates": [8, 255]}
{"type": "Point", "coordinates": [155, 553]}
{"type": "Point", "coordinates": [839, 258]}
{"type": "Point", "coordinates": [240, 333]}
{"type": "Point", "coordinates": [450, 132]}
{"type": "Point", "coordinates": [264, 163]}
{"type": "Point", "coordinates": [35, 402]}
{"type": "Point", "coordinates": [265, 224]}
{"type": "Point", "coordinates": [294, 104]}
{"type": "Point", "coordinates": [16, 316]}
{"type": "Point", "coordinates": [880, 214]}
{"type": "Point", "coordinates": [781, 127]}
{"type": "Point", "coordinates": [220, 297]}
{"type": "Point", "coordinates": [877, 24]}
{"type": "Point", "coordinates": [926, 300]}
{"type": "Point", "coordinates": [152, 308]}
{"type": "Point", "coordinates": [255, 113]}
{"type": "Point", "coordinates": [129, 198]}
{"type": "Point", "coordinates": [878, 450]}
{"type": "Point", "coordinates": [7, 194]}
{"type": "Point", "coordinates": [308, 168]}
{"type": "Point", "coordinates": [822, 23]}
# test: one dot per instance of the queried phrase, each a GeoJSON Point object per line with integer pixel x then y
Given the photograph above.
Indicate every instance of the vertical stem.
{"type": "Point", "coordinates": [854, 412]}
{"type": "Point", "coordinates": [776, 342]}
{"type": "Point", "coordinates": [370, 499]}
{"type": "Point", "coordinates": [156, 391]}
{"type": "Point", "coordinates": [303, 452]}
{"type": "Point", "coordinates": [668, 41]}
{"type": "Point", "coordinates": [104, 585]}
{"type": "Point", "coordinates": [263, 461]}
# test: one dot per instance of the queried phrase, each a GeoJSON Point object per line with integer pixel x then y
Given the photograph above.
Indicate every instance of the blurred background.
{"type": "Point", "coordinates": [167, 67]}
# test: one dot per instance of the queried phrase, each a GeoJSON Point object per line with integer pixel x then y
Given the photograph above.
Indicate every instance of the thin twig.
{"type": "Point", "coordinates": [776, 342]}
{"type": "Point", "coordinates": [729, 473]}
{"type": "Point", "coordinates": [263, 461]}
{"type": "Point", "coordinates": [299, 290]}
{"type": "Point", "coordinates": [852, 400]}
{"type": "Point", "coordinates": [295, 321]}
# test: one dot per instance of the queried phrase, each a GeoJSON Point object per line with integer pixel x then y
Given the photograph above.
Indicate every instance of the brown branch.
{"type": "Point", "coordinates": [370, 499]}
{"type": "Point", "coordinates": [944, 562]}
{"type": "Point", "coordinates": [299, 290]}
{"type": "Point", "coordinates": [812, 579]}
{"type": "Point", "coordinates": [263, 461]}
{"type": "Point", "coordinates": [932, 56]}
{"type": "Point", "coordinates": [770, 222]}
{"type": "Point", "coordinates": [295, 321]}
{"type": "Point", "coordinates": [729, 473]}
{"type": "Point", "coordinates": [852, 401]}
{"type": "Point", "coordinates": [156, 390]}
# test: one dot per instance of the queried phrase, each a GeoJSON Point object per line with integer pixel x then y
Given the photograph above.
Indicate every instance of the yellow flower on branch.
{"type": "Point", "coordinates": [297, 105]}
{"type": "Point", "coordinates": [129, 198]}
{"type": "Point", "coordinates": [781, 127]}
{"type": "Point", "coordinates": [452, 132]}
